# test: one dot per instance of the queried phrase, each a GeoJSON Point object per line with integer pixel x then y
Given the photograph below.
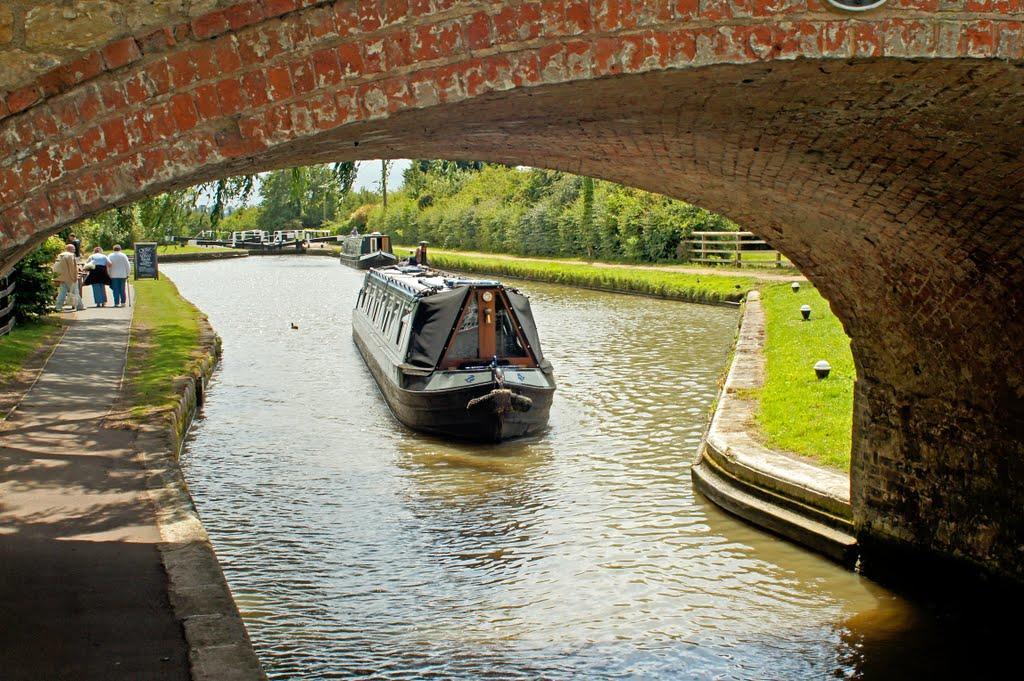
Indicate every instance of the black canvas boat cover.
{"type": "Point", "coordinates": [521, 306]}
{"type": "Point", "coordinates": [435, 317]}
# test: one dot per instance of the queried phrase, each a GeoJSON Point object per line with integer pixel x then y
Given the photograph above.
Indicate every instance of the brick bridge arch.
{"type": "Point", "coordinates": [883, 152]}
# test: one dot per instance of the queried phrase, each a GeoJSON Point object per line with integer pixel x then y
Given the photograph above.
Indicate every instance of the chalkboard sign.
{"type": "Point", "coordinates": [146, 266]}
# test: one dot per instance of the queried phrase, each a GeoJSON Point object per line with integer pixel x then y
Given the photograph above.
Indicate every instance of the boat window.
{"type": "Point", "coordinates": [466, 343]}
{"type": "Point", "coordinates": [508, 342]}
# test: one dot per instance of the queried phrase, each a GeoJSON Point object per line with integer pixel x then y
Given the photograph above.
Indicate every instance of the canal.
{"type": "Point", "coordinates": [356, 548]}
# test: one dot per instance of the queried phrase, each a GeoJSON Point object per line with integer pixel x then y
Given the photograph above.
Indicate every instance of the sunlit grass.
{"type": "Point", "coordinates": [165, 249]}
{"type": "Point", "coordinates": [665, 284]}
{"type": "Point", "coordinates": [25, 339]}
{"type": "Point", "coordinates": [165, 341]}
{"type": "Point", "coordinates": [798, 412]}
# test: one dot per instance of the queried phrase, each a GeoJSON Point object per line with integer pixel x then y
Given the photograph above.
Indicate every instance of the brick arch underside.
{"type": "Point", "coordinates": [895, 184]}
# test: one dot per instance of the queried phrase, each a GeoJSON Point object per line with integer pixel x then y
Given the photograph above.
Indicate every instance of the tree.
{"type": "Point", "coordinates": [34, 287]}
{"type": "Point", "coordinates": [385, 168]}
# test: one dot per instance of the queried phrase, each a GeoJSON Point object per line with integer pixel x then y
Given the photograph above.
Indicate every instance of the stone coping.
{"type": "Point", "coordinates": [731, 452]}
{"type": "Point", "coordinates": [219, 645]}
{"type": "Point", "coordinates": [201, 257]}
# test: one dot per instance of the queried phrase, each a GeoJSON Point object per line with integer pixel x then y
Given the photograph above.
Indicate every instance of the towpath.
{"type": "Point", "coordinates": [83, 592]}
{"type": "Point", "coordinates": [750, 272]}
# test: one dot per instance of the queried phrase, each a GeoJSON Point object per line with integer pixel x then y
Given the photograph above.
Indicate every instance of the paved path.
{"type": "Point", "coordinates": [751, 272]}
{"type": "Point", "coordinates": [83, 593]}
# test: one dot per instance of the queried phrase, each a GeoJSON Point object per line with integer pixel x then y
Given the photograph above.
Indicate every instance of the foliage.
{"type": "Point", "coordinates": [308, 196]}
{"type": "Point", "coordinates": [647, 281]}
{"type": "Point", "coordinates": [243, 219]}
{"type": "Point", "coordinates": [489, 207]}
{"type": "Point", "coordinates": [798, 412]}
{"type": "Point", "coordinates": [35, 289]}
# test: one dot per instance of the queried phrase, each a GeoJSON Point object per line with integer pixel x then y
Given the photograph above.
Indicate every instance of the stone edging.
{"type": "Point", "coordinates": [788, 495]}
{"type": "Point", "coordinates": [219, 646]}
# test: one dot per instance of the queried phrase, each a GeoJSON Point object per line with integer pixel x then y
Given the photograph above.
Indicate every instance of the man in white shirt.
{"type": "Point", "coordinates": [118, 270]}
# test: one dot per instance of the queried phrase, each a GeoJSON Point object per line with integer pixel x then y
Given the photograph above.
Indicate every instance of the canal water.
{"type": "Point", "coordinates": [359, 549]}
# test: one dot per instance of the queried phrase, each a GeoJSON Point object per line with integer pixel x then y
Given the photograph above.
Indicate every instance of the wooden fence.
{"type": "Point", "coordinates": [738, 249]}
{"type": "Point", "coordinates": [6, 305]}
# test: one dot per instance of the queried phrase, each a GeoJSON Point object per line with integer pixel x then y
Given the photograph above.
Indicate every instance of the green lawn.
{"type": "Point", "coordinates": [18, 346]}
{"type": "Point", "coordinates": [168, 250]}
{"type": "Point", "coordinates": [675, 285]}
{"type": "Point", "coordinates": [798, 412]}
{"type": "Point", "coordinates": [165, 342]}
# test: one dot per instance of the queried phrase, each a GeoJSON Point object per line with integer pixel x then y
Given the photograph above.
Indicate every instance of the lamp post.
{"type": "Point", "coordinates": [822, 369]}
{"type": "Point", "coordinates": [805, 310]}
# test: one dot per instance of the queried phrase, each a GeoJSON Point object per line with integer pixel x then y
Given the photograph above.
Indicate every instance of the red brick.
{"type": "Point", "coordinates": [113, 96]}
{"type": "Point", "coordinates": [346, 19]}
{"type": "Point", "coordinates": [478, 31]}
{"type": "Point", "coordinates": [158, 41]}
{"type": "Point", "coordinates": [210, 25]}
{"type": "Point", "coordinates": [279, 82]}
{"type": "Point", "coordinates": [866, 41]}
{"type": "Point", "coordinates": [115, 136]}
{"type": "Point", "coordinates": [226, 49]}
{"type": "Point", "coordinates": [138, 129]}
{"type": "Point", "coordinates": [686, 9]}
{"type": "Point", "coordinates": [517, 23]}
{"type": "Point", "coordinates": [182, 70]}
{"type": "Point", "coordinates": [275, 8]}
{"type": "Point", "coordinates": [398, 49]}
{"type": "Point", "coordinates": [349, 59]}
{"type": "Point", "coordinates": [244, 14]}
{"type": "Point", "coordinates": [206, 101]}
{"type": "Point", "coordinates": [88, 103]}
{"type": "Point", "coordinates": [205, 61]}
{"type": "Point", "coordinates": [120, 53]}
{"type": "Point", "coordinates": [136, 89]}
{"type": "Point", "coordinates": [158, 75]}
{"type": "Point", "coordinates": [325, 66]}
{"type": "Point", "coordinates": [436, 40]}
{"type": "Point", "coordinates": [51, 83]}
{"type": "Point", "coordinates": [91, 144]}
{"type": "Point", "coordinates": [977, 39]}
{"type": "Point", "coordinates": [82, 69]}
{"type": "Point", "coordinates": [320, 24]}
{"type": "Point", "coordinates": [303, 76]}
{"type": "Point", "coordinates": [369, 15]}
{"type": "Point", "coordinates": [161, 121]}
{"type": "Point", "coordinates": [184, 112]}
{"type": "Point", "coordinates": [231, 97]}
{"type": "Point", "coordinates": [255, 85]}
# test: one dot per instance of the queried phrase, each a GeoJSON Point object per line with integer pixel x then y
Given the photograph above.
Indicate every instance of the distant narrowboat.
{"type": "Point", "coordinates": [454, 357]}
{"type": "Point", "coordinates": [364, 251]}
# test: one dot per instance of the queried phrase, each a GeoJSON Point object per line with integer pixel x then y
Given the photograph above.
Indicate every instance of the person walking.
{"type": "Point", "coordinates": [119, 269]}
{"type": "Point", "coordinates": [97, 276]}
{"type": "Point", "coordinates": [66, 269]}
{"type": "Point", "coordinates": [77, 243]}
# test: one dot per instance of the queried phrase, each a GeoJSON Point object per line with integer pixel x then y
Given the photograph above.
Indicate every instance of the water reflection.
{"type": "Point", "coordinates": [357, 548]}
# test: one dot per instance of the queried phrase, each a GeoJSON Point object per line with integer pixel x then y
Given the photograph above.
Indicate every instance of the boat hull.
{"type": "Point", "coordinates": [365, 262]}
{"type": "Point", "coordinates": [446, 412]}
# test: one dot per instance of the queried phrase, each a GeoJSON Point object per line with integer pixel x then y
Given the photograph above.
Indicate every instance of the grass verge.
{"type": "Point", "coordinates": [181, 250]}
{"type": "Point", "coordinates": [165, 343]}
{"type": "Point", "coordinates": [693, 288]}
{"type": "Point", "coordinates": [24, 341]}
{"type": "Point", "coordinates": [798, 412]}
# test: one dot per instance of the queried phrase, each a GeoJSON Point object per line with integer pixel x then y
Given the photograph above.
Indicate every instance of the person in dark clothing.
{"type": "Point", "coordinates": [77, 243]}
{"type": "Point", "coordinates": [97, 276]}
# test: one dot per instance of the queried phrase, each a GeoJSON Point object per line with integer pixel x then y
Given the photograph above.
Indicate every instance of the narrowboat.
{"type": "Point", "coordinates": [454, 357]}
{"type": "Point", "coordinates": [364, 251]}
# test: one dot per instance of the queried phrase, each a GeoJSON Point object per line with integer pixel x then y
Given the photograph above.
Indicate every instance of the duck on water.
{"type": "Point", "coordinates": [454, 357]}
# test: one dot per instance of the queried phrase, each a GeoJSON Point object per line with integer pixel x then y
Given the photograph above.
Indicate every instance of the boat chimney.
{"type": "Point", "coordinates": [423, 253]}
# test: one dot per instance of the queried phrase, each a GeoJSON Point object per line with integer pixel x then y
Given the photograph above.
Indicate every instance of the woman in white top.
{"type": "Point", "coordinates": [119, 269]}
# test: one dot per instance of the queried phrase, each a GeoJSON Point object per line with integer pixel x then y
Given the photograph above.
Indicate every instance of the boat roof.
{"type": "Point", "coordinates": [419, 281]}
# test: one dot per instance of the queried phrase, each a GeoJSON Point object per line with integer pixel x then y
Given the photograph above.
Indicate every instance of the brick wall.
{"type": "Point", "coordinates": [882, 152]}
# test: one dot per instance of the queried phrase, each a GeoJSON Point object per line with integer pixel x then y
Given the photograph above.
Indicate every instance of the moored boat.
{"type": "Point", "coordinates": [364, 251]}
{"type": "Point", "coordinates": [454, 357]}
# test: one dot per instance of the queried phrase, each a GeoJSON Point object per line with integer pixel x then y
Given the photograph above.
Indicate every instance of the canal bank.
{"type": "Point", "coordinates": [105, 570]}
{"type": "Point", "coordinates": [788, 495]}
